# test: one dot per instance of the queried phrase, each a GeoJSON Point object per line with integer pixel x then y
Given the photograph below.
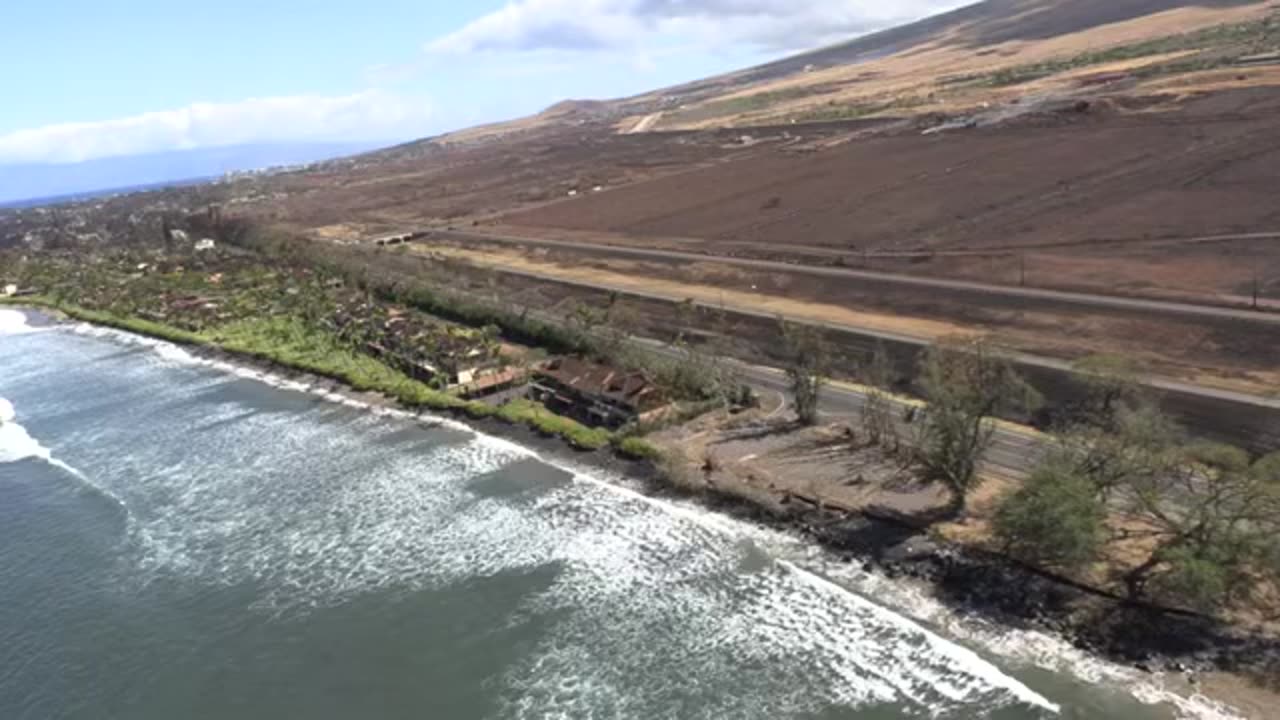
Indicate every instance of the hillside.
{"type": "Point", "coordinates": [982, 25]}
{"type": "Point", "coordinates": [970, 58]}
{"type": "Point", "coordinates": [1131, 158]}
{"type": "Point", "coordinates": [1129, 154]}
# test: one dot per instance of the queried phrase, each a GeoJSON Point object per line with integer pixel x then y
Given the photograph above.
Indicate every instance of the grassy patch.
{"type": "Point", "coordinates": [289, 342]}
{"type": "Point", "coordinates": [742, 105]}
{"type": "Point", "coordinates": [527, 412]}
{"type": "Point", "coordinates": [278, 334]}
{"type": "Point", "coordinates": [638, 449]}
{"type": "Point", "coordinates": [836, 113]}
{"type": "Point", "coordinates": [1219, 45]}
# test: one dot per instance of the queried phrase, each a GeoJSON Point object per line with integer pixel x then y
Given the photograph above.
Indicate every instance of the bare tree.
{"type": "Point", "coordinates": [806, 364]}
{"type": "Point", "coordinates": [877, 412]}
{"type": "Point", "coordinates": [1112, 383]}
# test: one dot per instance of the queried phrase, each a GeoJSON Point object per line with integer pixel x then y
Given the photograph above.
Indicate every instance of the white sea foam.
{"type": "Point", "coordinates": [1026, 648]}
{"type": "Point", "coordinates": [164, 350]}
{"type": "Point", "coordinates": [17, 444]}
{"type": "Point", "coordinates": [14, 322]}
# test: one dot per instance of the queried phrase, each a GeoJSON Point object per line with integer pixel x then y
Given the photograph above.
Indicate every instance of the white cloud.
{"type": "Point", "coordinates": [370, 115]}
{"type": "Point", "coordinates": [768, 25]}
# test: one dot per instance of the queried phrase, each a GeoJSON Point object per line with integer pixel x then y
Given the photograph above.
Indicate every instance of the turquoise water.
{"type": "Point", "coordinates": [178, 541]}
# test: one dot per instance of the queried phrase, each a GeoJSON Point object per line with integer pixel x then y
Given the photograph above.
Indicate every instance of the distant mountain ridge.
{"type": "Point", "coordinates": [20, 184]}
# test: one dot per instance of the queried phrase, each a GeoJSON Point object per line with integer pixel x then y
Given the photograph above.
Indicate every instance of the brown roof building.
{"type": "Point", "coordinates": [598, 395]}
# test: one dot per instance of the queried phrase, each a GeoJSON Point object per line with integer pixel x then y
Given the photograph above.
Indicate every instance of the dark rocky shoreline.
{"type": "Point", "coordinates": [994, 588]}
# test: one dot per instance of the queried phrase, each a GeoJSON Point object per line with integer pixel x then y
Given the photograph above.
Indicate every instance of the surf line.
{"type": "Point", "coordinates": [14, 322]}
{"type": "Point", "coordinates": [17, 444]}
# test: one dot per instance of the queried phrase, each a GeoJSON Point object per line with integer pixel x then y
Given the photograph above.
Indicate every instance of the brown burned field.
{"type": "Point", "coordinates": [1162, 184]}
{"type": "Point", "coordinates": [436, 181]}
{"type": "Point", "coordinates": [1105, 197]}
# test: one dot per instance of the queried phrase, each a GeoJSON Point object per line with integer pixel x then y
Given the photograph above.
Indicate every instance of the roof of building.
{"type": "Point", "coordinates": [633, 389]}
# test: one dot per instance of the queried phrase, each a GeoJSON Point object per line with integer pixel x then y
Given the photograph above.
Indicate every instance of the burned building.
{"type": "Point", "coordinates": [597, 395]}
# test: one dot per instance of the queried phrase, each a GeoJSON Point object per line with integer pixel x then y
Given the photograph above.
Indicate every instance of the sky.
{"type": "Point", "coordinates": [87, 79]}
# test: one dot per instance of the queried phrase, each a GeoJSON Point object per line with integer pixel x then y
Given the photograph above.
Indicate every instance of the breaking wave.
{"type": "Point", "coordinates": [17, 444]}
{"type": "Point", "coordinates": [14, 322]}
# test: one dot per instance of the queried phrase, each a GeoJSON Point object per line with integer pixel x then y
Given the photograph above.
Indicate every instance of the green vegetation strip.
{"type": "Point", "coordinates": [291, 343]}
{"type": "Point", "coordinates": [98, 317]}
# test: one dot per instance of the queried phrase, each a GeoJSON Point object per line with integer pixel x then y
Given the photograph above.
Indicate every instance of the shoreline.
{"type": "Point", "coordinates": [970, 584]}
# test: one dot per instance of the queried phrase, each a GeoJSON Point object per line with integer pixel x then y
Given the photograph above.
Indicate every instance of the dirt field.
{"type": "Point", "coordinates": [1054, 186]}
{"type": "Point", "coordinates": [437, 181]}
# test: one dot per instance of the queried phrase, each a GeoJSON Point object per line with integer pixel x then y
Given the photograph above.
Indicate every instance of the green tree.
{"type": "Point", "coordinates": [967, 383]}
{"type": "Point", "coordinates": [1201, 578]}
{"type": "Point", "coordinates": [805, 350]}
{"type": "Point", "coordinates": [1057, 518]}
{"type": "Point", "coordinates": [1211, 517]}
{"type": "Point", "coordinates": [1133, 443]}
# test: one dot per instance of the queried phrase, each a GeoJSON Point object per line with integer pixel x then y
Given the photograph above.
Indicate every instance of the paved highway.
{"type": "Point", "coordinates": [1161, 307]}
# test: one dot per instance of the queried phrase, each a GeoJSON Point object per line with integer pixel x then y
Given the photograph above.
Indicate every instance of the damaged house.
{"type": "Point", "coordinates": [597, 395]}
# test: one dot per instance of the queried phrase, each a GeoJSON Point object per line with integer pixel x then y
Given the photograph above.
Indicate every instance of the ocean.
{"type": "Point", "coordinates": [186, 539]}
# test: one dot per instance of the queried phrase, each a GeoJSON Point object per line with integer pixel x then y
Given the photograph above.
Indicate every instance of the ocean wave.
{"type": "Point", "coordinates": [163, 349]}
{"type": "Point", "coordinates": [14, 322]}
{"type": "Point", "coordinates": [17, 444]}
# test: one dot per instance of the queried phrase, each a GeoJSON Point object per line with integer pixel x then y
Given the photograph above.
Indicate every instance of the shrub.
{"type": "Point", "coordinates": [1055, 519]}
{"type": "Point", "coordinates": [1200, 579]}
{"type": "Point", "coordinates": [638, 449]}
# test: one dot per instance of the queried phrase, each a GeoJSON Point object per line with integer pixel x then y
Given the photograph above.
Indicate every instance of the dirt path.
{"type": "Point", "coordinates": [646, 124]}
